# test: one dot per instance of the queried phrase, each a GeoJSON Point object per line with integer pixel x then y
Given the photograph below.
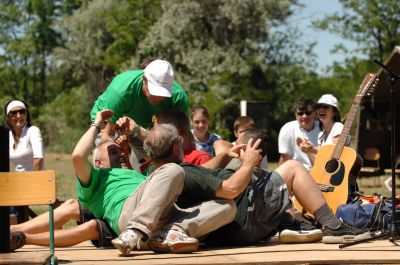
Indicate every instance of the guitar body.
{"type": "Point", "coordinates": [332, 175]}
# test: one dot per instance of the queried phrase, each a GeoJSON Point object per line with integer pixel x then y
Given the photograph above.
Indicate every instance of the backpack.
{"type": "Point", "coordinates": [368, 212]}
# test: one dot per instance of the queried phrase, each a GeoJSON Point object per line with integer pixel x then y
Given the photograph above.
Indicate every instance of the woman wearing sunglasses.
{"type": "Point", "coordinates": [330, 125]}
{"type": "Point", "coordinates": [26, 142]}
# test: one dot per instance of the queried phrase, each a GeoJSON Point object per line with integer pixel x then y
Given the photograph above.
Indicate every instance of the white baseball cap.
{"type": "Point", "coordinates": [160, 75]}
{"type": "Point", "coordinates": [328, 99]}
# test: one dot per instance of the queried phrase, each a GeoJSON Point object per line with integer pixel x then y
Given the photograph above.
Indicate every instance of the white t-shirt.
{"type": "Point", "coordinates": [287, 141]}
{"type": "Point", "coordinates": [336, 130]}
{"type": "Point", "coordinates": [30, 146]}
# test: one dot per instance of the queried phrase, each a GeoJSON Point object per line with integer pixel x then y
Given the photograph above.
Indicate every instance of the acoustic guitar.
{"type": "Point", "coordinates": [334, 163]}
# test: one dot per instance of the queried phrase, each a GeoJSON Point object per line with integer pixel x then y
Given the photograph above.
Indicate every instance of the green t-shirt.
{"type": "Point", "coordinates": [202, 183]}
{"type": "Point", "coordinates": [107, 192]}
{"type": "Point", "coordinates": [125, 97]}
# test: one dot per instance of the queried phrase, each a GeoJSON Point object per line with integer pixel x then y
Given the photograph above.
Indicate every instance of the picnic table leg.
{"type": "Point", "coordinates": [4, 211]}
{"type": "Point", "coordinates": [4, 229]}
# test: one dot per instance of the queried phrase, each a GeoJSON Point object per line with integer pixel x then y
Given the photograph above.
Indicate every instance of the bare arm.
{"type": "Point", "coordinates": [84, 147]}
{"type": "Point", "coordinates": [221, 160]}
{"type": "Point", "coordinates": [233, 186]}
{"type": "Point", "coordinates": [37, 164]}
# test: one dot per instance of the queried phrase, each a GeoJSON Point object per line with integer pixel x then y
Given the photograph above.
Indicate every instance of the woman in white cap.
{"type": "Point", "coordinates": [26, 142]}
{"type": "Point", "coordinates": [330, 125]}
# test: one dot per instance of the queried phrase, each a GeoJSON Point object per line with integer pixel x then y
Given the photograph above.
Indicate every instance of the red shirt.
{"type": "Point", "coordinates": [196, 157]}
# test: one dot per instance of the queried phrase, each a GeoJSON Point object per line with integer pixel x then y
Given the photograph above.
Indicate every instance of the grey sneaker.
{"type": "Point", "coordinates": [300, 232]}
{"type": "Point", "coordinates": [17, 240]}
{"type": "Point", "coordinates": [173, 240]}
{"type": "Point", "coordinates": [127, 240]}
{"type": "Point", "coordinates": [343, 234]}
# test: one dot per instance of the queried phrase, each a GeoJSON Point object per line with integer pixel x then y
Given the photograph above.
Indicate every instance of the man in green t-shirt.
{"type": "Point", "coordinates": [137, 207]}
{"type": "Point", "coordinates": [139, 94]}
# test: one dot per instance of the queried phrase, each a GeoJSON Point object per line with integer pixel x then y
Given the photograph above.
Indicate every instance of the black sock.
{"type": "Point", "coordinates": [325, 217]}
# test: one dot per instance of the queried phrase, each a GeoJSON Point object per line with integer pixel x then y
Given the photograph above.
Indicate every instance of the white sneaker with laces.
{"type": "Point", "coordinates": [173, 240]}
{"type": "Point", "coordinates": [127, 240]}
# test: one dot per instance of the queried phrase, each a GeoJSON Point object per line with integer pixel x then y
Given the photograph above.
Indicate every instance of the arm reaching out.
{"type": "Point", "coordinates": [84, 146]}
{"type": "Point", "coordinates": [128, 126]}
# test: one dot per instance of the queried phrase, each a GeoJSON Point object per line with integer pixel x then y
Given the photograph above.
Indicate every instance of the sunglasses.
{"type": "Point", "coordinates": [301, 113]}
{"type": "Point", "coordinates": [14, 113]}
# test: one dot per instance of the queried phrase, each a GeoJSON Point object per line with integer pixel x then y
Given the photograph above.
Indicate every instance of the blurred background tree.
{"type": "Point", "coordinates": [60, 55]}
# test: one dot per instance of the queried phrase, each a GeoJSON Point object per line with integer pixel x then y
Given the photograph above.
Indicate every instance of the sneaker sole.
{"type": "Point", "coordinates": [290, 237]}
{"type": "Point", "coordinates": [345, 238]}
{"type": "Point", "coordinates": [124, 250]}
{"type": "Point", "coordinates": [178, 248]}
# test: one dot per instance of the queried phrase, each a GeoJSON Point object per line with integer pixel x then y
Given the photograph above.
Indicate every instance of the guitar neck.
{"type": "Point", "coordinates": [347, 127]}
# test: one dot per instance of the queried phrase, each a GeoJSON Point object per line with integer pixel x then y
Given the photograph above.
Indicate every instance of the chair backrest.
{"type": "Point", "coordinates": [27, 188]}
{"type": "Point", "coordinates": [372, 154]}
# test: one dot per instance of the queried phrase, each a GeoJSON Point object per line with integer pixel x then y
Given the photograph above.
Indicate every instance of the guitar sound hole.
{"type": "Point", "coordinates": [331, 166]}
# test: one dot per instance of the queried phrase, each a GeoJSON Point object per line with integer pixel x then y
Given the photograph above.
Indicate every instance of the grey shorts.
{"type": "Point", "coordinates": [268, 202]}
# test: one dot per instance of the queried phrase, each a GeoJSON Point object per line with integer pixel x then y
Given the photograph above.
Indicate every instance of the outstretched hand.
{"type": "Point", "coordinates": [126, 126]}
{"type": "Point", "coordinates": [234, 151]}
{"type": "Point", "coordinates": [251, 155]}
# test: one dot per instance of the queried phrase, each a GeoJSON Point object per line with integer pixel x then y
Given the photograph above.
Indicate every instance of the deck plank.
{"type": "Point", "coordinates": [376, 252]}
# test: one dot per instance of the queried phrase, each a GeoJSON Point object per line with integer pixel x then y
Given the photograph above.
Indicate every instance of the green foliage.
{"type": "Point", "coordinates": [65, 119]}
{"type": "Point", "coordinates": [60, 55]}
{"type": "Point", "coordinates": [373, 24]}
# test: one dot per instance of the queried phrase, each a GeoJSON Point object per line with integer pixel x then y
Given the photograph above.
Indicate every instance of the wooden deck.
{"type": "Point", "coordinates": [375, 252]}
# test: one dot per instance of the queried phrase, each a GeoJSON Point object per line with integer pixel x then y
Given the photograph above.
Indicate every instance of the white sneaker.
{"type": "Point", "coordinates": [173, 240]}
{"type": "Point", "coordinates": [127, 240]}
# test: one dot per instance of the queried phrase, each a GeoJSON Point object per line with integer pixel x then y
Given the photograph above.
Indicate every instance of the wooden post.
{"type": "Point", "coordinates": [4, 211]}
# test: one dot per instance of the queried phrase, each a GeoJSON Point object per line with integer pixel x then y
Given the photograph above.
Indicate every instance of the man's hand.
{"type": "Point", "coordinates": [102, 118]}
{"type": "Point", "coordinates": [305, 145]}
{"type": "Point", "coordinates": [235, 150]}
{"type": "Point", "coordinates": [251, 156]}
{"type": "Point", "coordinates": [126, 126]}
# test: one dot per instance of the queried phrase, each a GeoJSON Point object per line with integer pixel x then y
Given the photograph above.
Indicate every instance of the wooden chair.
{"type": "Point", "coordinates": [371, 164]}
{"type": "Point", "coordinates": [30, 188]}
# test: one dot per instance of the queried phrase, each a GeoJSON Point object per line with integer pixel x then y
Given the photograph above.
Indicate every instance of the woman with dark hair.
{"type": "Point", "coordinates": [26, 142]}
{"type": "Point", "coordinates": [330, 123]}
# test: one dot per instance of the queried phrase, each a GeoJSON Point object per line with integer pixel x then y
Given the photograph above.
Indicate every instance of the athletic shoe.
{"type": "Point", "coordinates": [343, 234]}
{"type": "Point", "coordinates": [17, 240]}
{"type": "Point", "coordinates": [173, 240]}
{"type": "Point", "coordinates": [300, 232]}
{"type": "Point", "coordinates": [127, 240]}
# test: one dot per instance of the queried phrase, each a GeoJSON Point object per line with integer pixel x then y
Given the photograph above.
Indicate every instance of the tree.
{"type": "Point", "coordinates": [102, 39]}
{"type": "Point", "coordinates": [373, 24]}
{"type": "Point", "coordinates": [224, 51]}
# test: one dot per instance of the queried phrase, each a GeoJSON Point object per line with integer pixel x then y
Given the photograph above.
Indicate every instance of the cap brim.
{"type": "Point", "coordinates": [323, 104]}
{"type": "Point", "coordinates": [159, 91]}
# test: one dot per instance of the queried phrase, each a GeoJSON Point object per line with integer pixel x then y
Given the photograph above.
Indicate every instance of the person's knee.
{"type": "Point", "coordinates": [228, 209]}
{"type": "Point", "coordinates": [71, 208]}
